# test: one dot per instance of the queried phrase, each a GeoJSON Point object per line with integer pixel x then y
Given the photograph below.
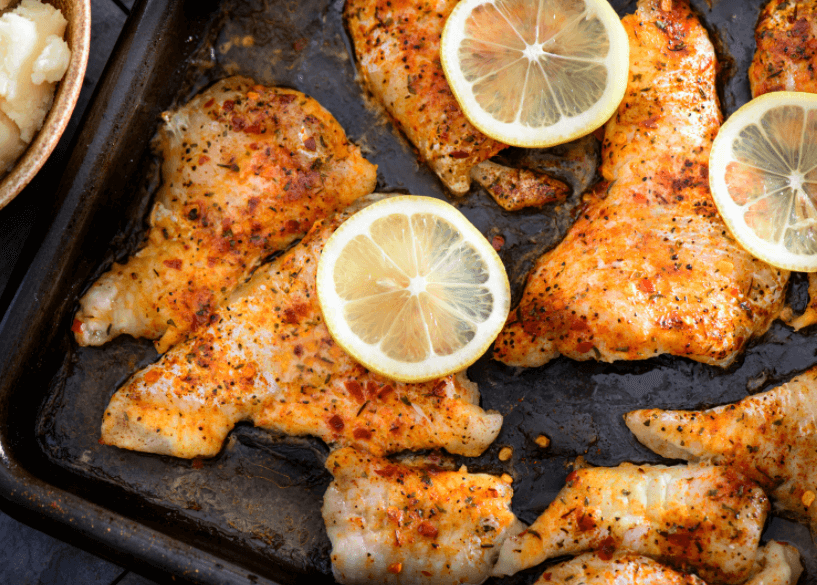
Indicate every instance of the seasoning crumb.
{"type": "Point", "coordinates": [506, 478]}
{"type": "Point", "coordinates": [396, 568]}
{"type": "Point", "coordinates": [542, 441]}
{"type": "Point", "coordinates": [808, 498]}
{"type": "Point", "coordinates": [505, 453]}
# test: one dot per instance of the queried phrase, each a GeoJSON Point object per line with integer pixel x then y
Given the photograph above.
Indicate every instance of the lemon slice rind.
{"type": "Point", "coordinates": [775, 253]}
{"type": "Point", "coordinates": [369, 354]}
{"type": "Point", "coordinates": [568, 127]}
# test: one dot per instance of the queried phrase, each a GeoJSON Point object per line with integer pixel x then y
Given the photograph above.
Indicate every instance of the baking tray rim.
{"type": "Point", "coordinates": [23, 493]}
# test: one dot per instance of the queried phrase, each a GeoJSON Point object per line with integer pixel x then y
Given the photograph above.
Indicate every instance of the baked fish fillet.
{"type": "Point", "coordinates": [413, 523]}
{"type": "Point", "coordinates": [785, 60]}
{"type": "Point", "coordinates": [701, 519]}
{"type": "Point", "coordinates": [397, 46]}
{"type": "Point", "coordinates": [779, 565]}
{"type": "Point", "coordinates": [268, 358]}
{"type": "Point", "coordinates": [770, 437]}
{"type": "Point", "coordinates": [786, 49]}
{"type": "Point", "coordinates": [247, 169]}
{"type": "Point", "coordinates": [649, 266]}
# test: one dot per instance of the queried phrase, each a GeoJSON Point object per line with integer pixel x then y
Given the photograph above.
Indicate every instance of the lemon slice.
{"type": "Point", "coordinates": [536, 73]}
{"type": "Point", "coordinates": [763, 177]}
{"type": "Point", "coordinates": [411, 289]}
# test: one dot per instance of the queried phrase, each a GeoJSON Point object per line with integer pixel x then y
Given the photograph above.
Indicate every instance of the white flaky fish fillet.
{"type": "Point", "coordinates": [649, 267]}
{"type": "Point", "coordinates": [413, 523]}
{"type": "Point", "coordinates": [701, 519]}
{"type": "Point", "coordinates": [770, 437]}
{"type": "Point", "coordinates": [268, 358]}
{"type": "Point", "coordinates": [618, 568]}
{"type": "Point", "coordinates": [247, 170]}
{"type": "Point", "coordinates": [779, 564]}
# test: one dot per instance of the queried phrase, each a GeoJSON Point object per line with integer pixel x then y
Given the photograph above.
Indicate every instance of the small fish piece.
{"type": "Point", "coordinates": [786, 50]}
{"type": "Point", "coordinates": [413, 523]}
{"type": "Point", "coordinates": [515, 189]}
{"type": "Point", "coordinates": [247, 169]}
{"type": "Point", "coordinates": [649, 267]}
{"type": "Point", "coordinates": [697, 519]}
{"type": "Point", "coordinates": [786, 55]}
{"type": "Point", "coordinates": [397, 46]}
{"type": "Point", "coordinates": [770, 437]}
{"type": "Point", "coordinates": [779, 565]}
{"type": "Point", "coordinates": [268, 358]}
{"type": "Point", "coordinates": [618, 568]}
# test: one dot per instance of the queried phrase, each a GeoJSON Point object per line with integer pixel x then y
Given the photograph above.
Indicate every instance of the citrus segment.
{"type": "Point", "coordinates": [411, 289]}
{"type": "Point", "coordinates": [763, 175]}
{"type": "Point", "coordinates": [535, 72]}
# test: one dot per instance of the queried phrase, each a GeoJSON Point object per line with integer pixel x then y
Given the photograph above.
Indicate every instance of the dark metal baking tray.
{"type": "Point", "coordinates": [252, 514]}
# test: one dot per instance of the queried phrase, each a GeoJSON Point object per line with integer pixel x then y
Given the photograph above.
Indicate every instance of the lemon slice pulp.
{"type": "Point", "coordinates": [411, 289]}
{"type": "Point", "coordinates": [536, 73]}
{"type": "Point", "coordinates": [763, 177]}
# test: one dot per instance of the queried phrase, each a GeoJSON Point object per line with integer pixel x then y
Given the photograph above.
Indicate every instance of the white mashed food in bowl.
{"type": "Point", "coordinates": [33, 58]}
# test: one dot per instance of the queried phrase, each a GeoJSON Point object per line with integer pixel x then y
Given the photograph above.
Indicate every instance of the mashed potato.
{"type": "Point", "coordinates": [33, 58]}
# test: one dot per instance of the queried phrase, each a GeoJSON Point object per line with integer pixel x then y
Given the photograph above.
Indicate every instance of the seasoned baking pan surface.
{"type": "Point", "coordinates": [257, 504]}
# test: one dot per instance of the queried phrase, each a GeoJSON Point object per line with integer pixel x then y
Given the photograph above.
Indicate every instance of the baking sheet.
{"type": "Point", "coordinates": [258, 502]}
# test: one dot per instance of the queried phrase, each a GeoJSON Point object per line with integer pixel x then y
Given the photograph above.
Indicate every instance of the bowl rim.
{"type": "Point", "coordinates": [65, 100]}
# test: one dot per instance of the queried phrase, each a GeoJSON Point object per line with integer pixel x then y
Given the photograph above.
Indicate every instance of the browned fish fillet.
{"type": "Point", "coordinates": [397, 45]}
{"type": "Point", "coordinates": [786, 55]}
{"type": "Point", "coordinates": [779, 565]}
{"type": "Point", "coordinates": [770, 437]}
{"type": "Point", "coordinates": [268, 358]}
{"type": "Point", "coordinates": [413, 523]}
{"type": "Point", "coordinates": [247, 170]}
{"type": "Point", "coordinates": [701, 519]}
{"type": "Point", "coordinates": [785, 60]}
{"type": "Point", "coordinates": [649, 267]}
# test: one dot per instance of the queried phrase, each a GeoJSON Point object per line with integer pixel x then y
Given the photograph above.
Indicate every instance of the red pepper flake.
{"type": "Point", "coordinates": [545, 577]}
{"type": "Point", "coordinates": [388, 471]}
{"type": "Point", "coordinates": [203, 159]}
{"type": "Point", "coordinates": [309, 144]}
{"type": "Point", "coordinates": [586, 522]}
{"type": "Point", "coordinates": [197, 464]}
{"type": "Point", "coordinates": [228, 105]}
{"type": "Point", "coordinates": [427, 529]}
{"type": "Point", "coordinates": [354, 388]}
{"type": "Point", "coordinates": [210, 102]}
{"type": "Point", "coordinates": [646, 286]}
{"type": "Point", "coordinates": [584, 346]}
{"type": "Point", "coordinates": [396, 568]}
{"type": "Point", "coordinates": [606, 548]}
{"type": "Point", "coordinates": [385, 391]}
{"type": "Point", "coordinates": [572, 476]}
{"type": "Point", "coordinates": [300, 44]}
{"type": "Point", "coordinates": [459, 154]}
{"type": "Point", "coordinates": [497, 242]}
{"type": "Point", "coordinates": [175, 264]}
{"type": "Point", "coordinates": [362, 434]}
{"type": "Point", "coordinates": [439, 389]}
{"type": "Point", "coordinates": [426, 573]}
{"type": "Point", "coordinates": [336, 423]}
{"type": "Point", "coordinates": [152, 376]}
{"type": "Point", "coordinates": [292, 226]}
{"type": "Point", "coordinates": [680, 539]}
{"type": "Point", "coordinates": [76, 326]}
